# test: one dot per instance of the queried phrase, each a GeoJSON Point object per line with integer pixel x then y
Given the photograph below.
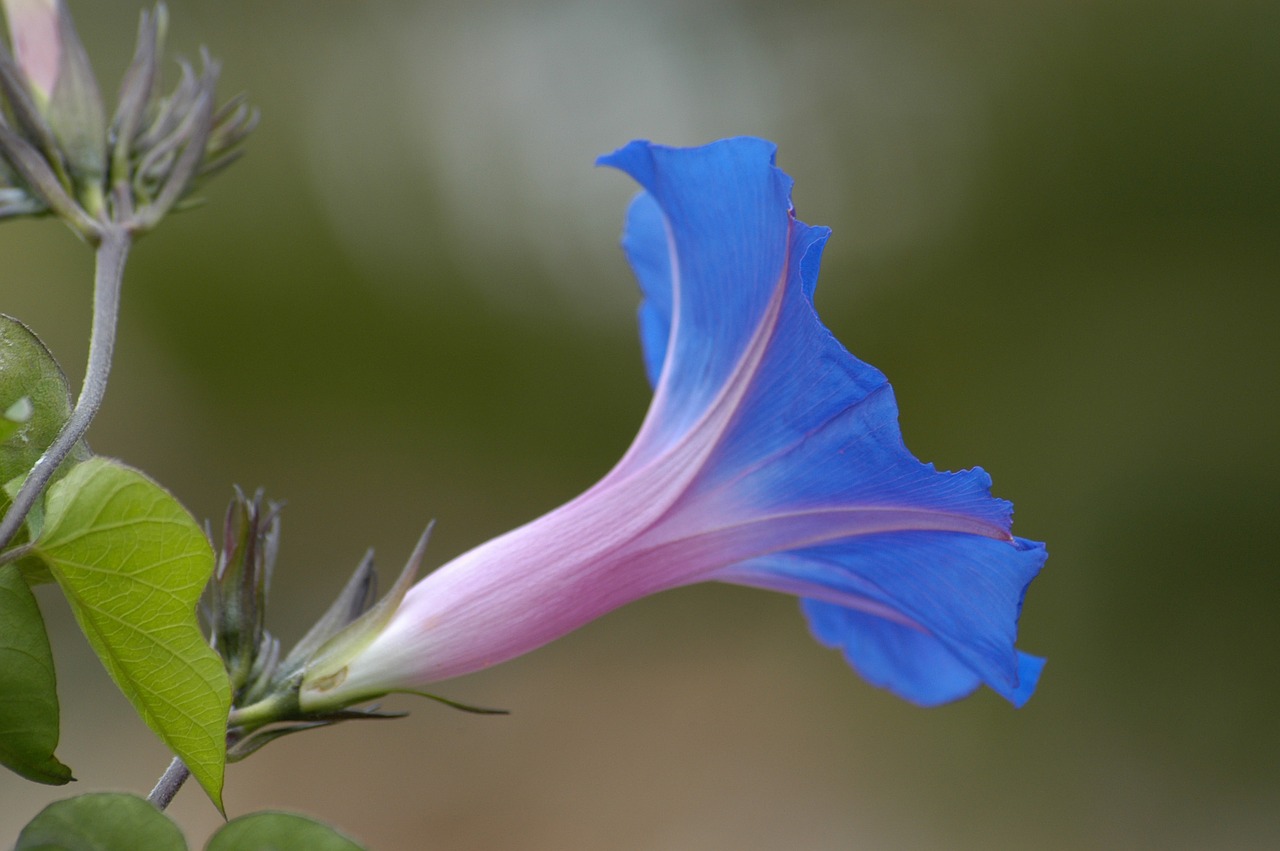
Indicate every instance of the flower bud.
{"type": "Point", "coordinates": [51, 57]}
{"type": "Point", "coordinates": [238, 593]}
{"type": "Point", "coordinates": [37, 47]}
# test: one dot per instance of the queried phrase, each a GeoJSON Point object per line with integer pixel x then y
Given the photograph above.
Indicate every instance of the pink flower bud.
{"type": "Point", "coordinates": [37, 44]}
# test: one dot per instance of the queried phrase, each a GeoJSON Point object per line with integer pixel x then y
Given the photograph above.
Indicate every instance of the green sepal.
{"type": "Point", "coordinates": [356, 598]}
{"type": "Point", "coordinates": [456, 704]}
{"type": "Point", "coordinates": [258, 739]}
{"type": "Point", "coordinates": [328, 665]}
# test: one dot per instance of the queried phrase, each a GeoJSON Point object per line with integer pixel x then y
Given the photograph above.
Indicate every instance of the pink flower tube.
{"type": "Point", "coordinates": [769, 457]}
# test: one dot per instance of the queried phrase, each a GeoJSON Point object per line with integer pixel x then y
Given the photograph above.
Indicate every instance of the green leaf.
{"type": "Point", "coordinates": [102, 821]}
{"type": "Point", "coordinates": [278, 832]}
{"type": "Point", "coordinates": [28, 371]}
{"type": "Point", "coordinates": [35, 402]}
{"type": "Point", "coordinates": [132, 562]}
{"type": "Point", "coordinates": [28, 694]}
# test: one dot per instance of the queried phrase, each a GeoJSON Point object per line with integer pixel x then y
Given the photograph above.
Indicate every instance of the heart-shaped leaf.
{"type": "Point", "coordinates": [132, 562]}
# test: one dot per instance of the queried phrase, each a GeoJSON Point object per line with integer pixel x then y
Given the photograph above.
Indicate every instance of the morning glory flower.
{"type": "Point", "coordinates": [770, 457]}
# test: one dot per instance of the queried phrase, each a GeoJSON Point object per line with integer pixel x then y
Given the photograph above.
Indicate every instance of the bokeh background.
{"type": "Point", "coordinates": [1057, 230]}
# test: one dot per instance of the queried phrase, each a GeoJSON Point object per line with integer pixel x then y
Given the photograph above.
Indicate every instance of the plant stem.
{"type": "Point", "coordinates": [169, 784]}
{"type": "Point", "coordinates": [112, 251]}
{"type": "Point", "coordinates": [15, 553]}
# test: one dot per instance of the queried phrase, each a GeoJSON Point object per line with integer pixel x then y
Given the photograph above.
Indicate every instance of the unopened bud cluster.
{"type": "Point", "coordinates": [58, 152]}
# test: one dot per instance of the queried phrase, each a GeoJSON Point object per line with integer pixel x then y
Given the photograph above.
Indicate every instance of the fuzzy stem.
{"type": "Point", "coordinates": [169, 784]}
{"type": "Point", "coordinates": [112, 251]}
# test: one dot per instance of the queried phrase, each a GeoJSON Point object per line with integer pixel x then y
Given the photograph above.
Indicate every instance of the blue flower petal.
{"type": "Point", "coordinates": [928, 615]}
{"type": "Point", "coordinates": [726, 217]}
{"type": "Point", "coordinates": [912, 664]}
{"type": "Point", "coordinates": [645, 241]}
{"type": "Point", "coordinates": [811, 398]}
{"type": "Point", "coordinates": [918, 577]}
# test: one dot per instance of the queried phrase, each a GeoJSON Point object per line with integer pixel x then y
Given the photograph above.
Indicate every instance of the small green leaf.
{"type": "Point", "coordinates": [28, 371]}
{"type": "Point", "coordinates": [101, 821]}
{"type": "Point", "coordinates": [132, 562]}
{"type": "Point", "coordinates": [276, 832]}
{"type": "Point", "coordinates": [28, 694]}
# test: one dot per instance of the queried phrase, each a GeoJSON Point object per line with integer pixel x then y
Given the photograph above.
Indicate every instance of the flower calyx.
{"type": "Point", "coordinates": [267, 688]}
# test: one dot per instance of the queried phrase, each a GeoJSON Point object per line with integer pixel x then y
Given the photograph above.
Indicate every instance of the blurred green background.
{"type": "Point", "coordinates": [1057, 230]}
